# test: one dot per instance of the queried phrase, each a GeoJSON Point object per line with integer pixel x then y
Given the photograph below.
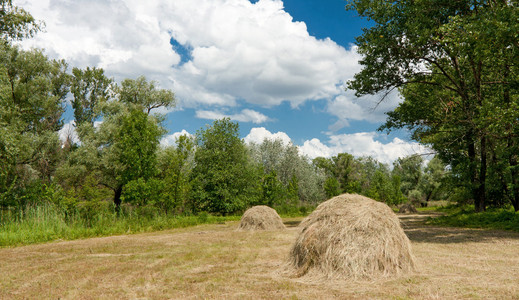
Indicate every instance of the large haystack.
{"type": "Point", "coordinates": [407, 208]}
{"type": "Point", "coordinates": [351, 236]}
{"type": "Point", "coordinates": [261, 217]}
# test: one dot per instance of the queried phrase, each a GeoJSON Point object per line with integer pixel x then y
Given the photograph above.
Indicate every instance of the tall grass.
{"type": "Point", "coordinates": [43, 223]}
{"type": "Point", "coordinates": [503, 219]}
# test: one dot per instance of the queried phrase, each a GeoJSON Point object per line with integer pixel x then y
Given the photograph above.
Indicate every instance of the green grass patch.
{"type": "Point", "coordinates": [46, 223]}
{"type": "Point", "coordinates": [503, 219]}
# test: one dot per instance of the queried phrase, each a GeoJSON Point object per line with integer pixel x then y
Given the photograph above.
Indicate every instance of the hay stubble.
{"type": "Point", "coordinates": [218, 262]}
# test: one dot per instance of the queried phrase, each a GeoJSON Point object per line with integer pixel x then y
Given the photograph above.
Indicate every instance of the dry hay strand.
{"type": "Point", "coordinates": [351, 236]}
{"type": "Point", "coordinates": [407, 208]}
{"type": "Point", "coordinates": [261, 217]}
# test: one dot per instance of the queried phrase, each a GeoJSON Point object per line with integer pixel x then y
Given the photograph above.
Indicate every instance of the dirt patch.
{"type": "Point", "coordinates": [218, 262]}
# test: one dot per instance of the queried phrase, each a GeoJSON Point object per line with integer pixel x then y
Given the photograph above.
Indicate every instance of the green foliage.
{"type": "Point", "coordinates": [16, 23]}
{"type": "Point", "coordinates": [90, 87]}
{"type": "Point", "coordinates": [223, 180]}
{"type": "Point", "coordinates": [141, 192]}
{"type": "Point", "coordinates": [409, 169]}
{"type": "Point", "coordinates": [145, 94]}
{"type": "Point", "coordinates": [291, 169]}
{"type": "Point", "coordinates": [272, 188]}
{"type": "Point", "coordinates": [456, 65]}
{"type": "Point", "coordinates": [136, 142]}
{"type": "Point", "coordinates": [175, 165]}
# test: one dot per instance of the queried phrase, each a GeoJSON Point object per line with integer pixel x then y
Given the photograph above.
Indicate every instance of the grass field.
{"type": "Point", "coordinates": [217, 262]}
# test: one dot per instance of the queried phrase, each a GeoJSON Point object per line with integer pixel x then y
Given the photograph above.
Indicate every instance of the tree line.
{"type": "Point", "coordinates": [117, 163]}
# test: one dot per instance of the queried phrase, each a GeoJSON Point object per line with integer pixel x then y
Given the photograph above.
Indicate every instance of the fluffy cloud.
{"type": "Point", "coordinates": [346, 107]}
{"type": "Point", "coordinates": [171, 139]}
{"type": "Point", "coordinates": [362, 144]}
{"type": "Point", "coordinates": [237, 50]}
{"type": "Point", "coordinates": [357, 144]}
{"type": "Point", "coordinates": [68, 132]}
{"type": "Point", "coordinates": [258, 135]}
{"type": "Point", "coordinates": [246, 115]}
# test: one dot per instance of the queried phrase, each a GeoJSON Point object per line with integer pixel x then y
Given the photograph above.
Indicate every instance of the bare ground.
{"type": "Point", "coordinates": [218, 262]}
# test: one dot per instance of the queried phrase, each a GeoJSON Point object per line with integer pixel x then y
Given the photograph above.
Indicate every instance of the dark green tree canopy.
{"type": "Point", "coordinates": [455, 63]}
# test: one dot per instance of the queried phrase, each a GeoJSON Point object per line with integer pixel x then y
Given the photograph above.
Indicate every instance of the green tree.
{"type": "Point", "coordinates": [127, 147]}
{"type": "Point", "coordinates": [434, 179]}
{"type": "Point", "coordinates": [15, 22]}
{"type": "Point", "coordinates": [454, 63]}
{"type": "Point", "coordinates": [89, 87]}
{"type": "Point", "coordinates": [32, 93]}
{"type": "Point", "coordinates": [145, 94]}
{"type": "Point", "coordinates": [409, 170]}
{"type": "Point", "coordinates": [287, 162]}
{"type": "Point", "coordinates": [224, 181]}
{"type": "Point", "coordinates": [175, 166]}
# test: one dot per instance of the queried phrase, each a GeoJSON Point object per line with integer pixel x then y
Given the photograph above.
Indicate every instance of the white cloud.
{"type": "Point", "coordinates": [356, 144]}
{"type": "Point", "coordinates": [171, 139]}
{"type": "Point", "coordinates": [314, 148]}
{"type": "Point", "coordinates": [362, 144]}
{"type": "Point", "coordinates": [346, 107]}
{"type": "Point", "coordinates": [246, 115]}
{"type": "Point", "coordinates": [239, 50]}
{"type": "Point", "coordinates": [68, 132]}
{"type": "Point", "coordinates": [259, 134]}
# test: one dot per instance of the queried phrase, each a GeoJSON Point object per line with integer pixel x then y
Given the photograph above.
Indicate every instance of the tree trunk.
{"type": "Point", "coordinates": [117, 197]}
{"type": "Point", "coordinates": [479, 200]}
{"type": "Point", "coordinates": [474, 184]}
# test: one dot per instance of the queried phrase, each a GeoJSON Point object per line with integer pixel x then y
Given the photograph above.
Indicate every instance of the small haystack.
{"type": "Point", "coordinates": [261, 217]}
{"type": "Point", "coordinates": [407, 208]}
{"type": "Point", "coordinates": [351, 236]}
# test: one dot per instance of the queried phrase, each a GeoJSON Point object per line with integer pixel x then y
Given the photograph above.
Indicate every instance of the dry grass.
{"type": "Point", "coordinates": [351, 236]}
{"type": "Point", "coordinates": [261, 217]}
{"type": "Point", "coordinates": [218, 262]}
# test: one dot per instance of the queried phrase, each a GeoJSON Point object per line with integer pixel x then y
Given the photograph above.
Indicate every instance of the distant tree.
{"type": "Point", "coordinates": [410, 171]}
{"type": "Point", "coordinates": [290, 167]}
{"type": "Point", "coordinates": [434, 179]}
{"type": "Point", "coordinates": [223, 179]}
{"type": "Point", "coordinates": [175, 166]}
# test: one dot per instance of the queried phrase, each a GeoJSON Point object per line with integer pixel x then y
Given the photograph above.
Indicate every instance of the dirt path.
{"type": "Point", "coordinates": [215, 261]}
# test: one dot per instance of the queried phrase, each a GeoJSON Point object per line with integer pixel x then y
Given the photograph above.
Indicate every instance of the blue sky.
{"type": "Point", "coordinates": [277, 67]}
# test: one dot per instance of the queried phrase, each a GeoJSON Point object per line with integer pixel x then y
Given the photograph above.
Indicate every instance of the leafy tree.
{"type": "Point", "coordinates": [224, 181]}
{"type": "Point", "coordinates": [272, 188]}
{"type": "Point", "coordinates": [127, 146]}
{"type": "Point", "coordinates": [145, 94]}
{"type": "Point", "coordinates": [32, 93]}
{"type": "Point", "coordinates": [290, 167]}
{"type": "Point", "coordinates": [89, 87]}
{"type": "Point", "coordinates": [409, 170]}
{"type": "Point", "coordinates": [175, 166]}
{"type": "Point", "coordinates": [433, 181]}
{"type": "Point", "coordinates": [454, 63]}
{"type": "Point", "coordinates": [15, 22]}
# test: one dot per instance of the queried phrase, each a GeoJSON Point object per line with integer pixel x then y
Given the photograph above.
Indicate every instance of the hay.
{"type": "Point", "coordinates": [407, 208]}
{"type": "Point", "coordinates": [261, 217]}
{"type": "Point", "coordinates": [351, 236]}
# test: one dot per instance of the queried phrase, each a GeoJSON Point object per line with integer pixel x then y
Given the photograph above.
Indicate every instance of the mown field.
{"type": "Point", "coordinates": [217, 262]}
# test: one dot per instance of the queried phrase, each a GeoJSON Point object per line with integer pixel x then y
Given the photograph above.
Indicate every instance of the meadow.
{"type": "Point", "coordinates": [215, 261]}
